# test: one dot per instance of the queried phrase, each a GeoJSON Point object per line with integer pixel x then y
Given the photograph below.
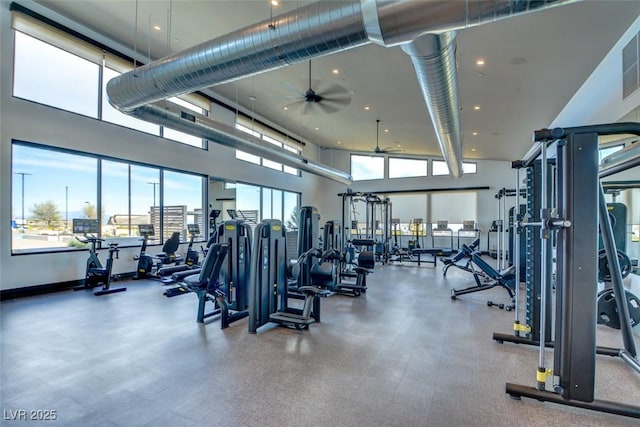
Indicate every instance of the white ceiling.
{"type": "Point", "coordinates": [534, 64]}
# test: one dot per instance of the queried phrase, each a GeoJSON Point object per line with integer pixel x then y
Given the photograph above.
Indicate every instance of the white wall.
{"type": "Point", "coordinates": [491, 173]}
{"type": "Point", "coordinates": [599, 100]}
{"type": "Point", "coordinates": [31, 122]}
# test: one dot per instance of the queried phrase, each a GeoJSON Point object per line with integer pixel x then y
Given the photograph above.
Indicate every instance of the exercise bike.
{"type": "Point", "coordinates": [95, 273]}
{"type": "Point", "coordinates": [145, 262]}
{"type": "Point", "coordinates": [93, 262]}
{"type": "Point", "coordinates": [191, 259]}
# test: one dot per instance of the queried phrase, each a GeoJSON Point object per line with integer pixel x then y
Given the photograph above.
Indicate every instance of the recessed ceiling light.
{"type": "Point", "coordinates": [339, 142]}
{"type": "Point", "coordinates": [252, 98]}
{"type": "Point", "coordinates": [476, 107]}
{"type": "Point", "coordinates": [157, 27]}
{"type": "Point", "coordinates": [274, 2]}
{"type": "Point", "coordinates": [474, 133]}
{"type": "Point", "coordinates": [386, 130]}
{"type": "Point", "coordinates": [399, 145]}
{"type": "Point", "coordinates": [480, 61]}
{"type": "Point", "coordinates": [473, 149]}
{"type": "Point", "coordinates": [335, 71]}
{"type": "Point", "coordinates": [285, 108]}
{"type": "Point", "coordinates": [367, 108]}
{"type": "Point", "coordinates": [317, 128]}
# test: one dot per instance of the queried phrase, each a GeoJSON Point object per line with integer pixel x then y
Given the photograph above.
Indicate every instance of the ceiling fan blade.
{"type": "Point", "coordinates": [299, 93]}
{"type": "Point", "coordinates": [334, 90]}
{"type": "Point", "coordinates": [295, 104]}
{"type": "Point", "coordinates": [326, 107]}
{"type": "Point", "coordinates": [338, 101]}
{"type": "Point", "coordinates": [306, 108]}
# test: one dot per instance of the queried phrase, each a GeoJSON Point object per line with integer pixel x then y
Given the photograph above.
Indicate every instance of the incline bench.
{"type": "Point", "coordinates": [488, 277]}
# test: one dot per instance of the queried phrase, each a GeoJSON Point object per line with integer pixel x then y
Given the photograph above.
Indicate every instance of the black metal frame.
{"type": "Point", "coordinates": [268, 290]}
{"type": "Point", "coordinates": [533, 245]}
{"type": "Point", "coordinates": [581, 202]}
{"type": "Point", "coordinates": [232, 295]}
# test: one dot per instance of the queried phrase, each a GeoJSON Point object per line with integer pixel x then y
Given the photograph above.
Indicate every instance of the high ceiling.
{"type": "Point", "coordinates": [533, 65]}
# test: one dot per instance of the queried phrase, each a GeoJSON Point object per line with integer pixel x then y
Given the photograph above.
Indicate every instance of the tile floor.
{"type": "Point", "coordinates": [404, 354]}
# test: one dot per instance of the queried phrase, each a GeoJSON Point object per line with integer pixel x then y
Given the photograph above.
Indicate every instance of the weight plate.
{"type": "Point", "coordinates": [604, 274]}
{"type": "Point", "coordinates": [608, 310]}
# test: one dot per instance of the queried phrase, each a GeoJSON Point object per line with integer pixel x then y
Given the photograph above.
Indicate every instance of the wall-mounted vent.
{"type": "Point", "coordinates": [630, 67]}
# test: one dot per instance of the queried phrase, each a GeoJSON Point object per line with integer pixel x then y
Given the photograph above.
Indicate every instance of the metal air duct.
{"type": "Point", "coordinates": [166, 113]}
{"type": "Point", "coordinates": [318, 29]}
{"type": "Point", "coordinates": [311, 31]}
{"type": "Point", "coordinates": [434, 61]}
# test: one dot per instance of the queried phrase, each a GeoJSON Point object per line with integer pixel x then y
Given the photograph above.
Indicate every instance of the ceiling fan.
{"type": "Point", "coordinates": [379, 150]}
{"type": "Point", "coordinates": [329, 100]}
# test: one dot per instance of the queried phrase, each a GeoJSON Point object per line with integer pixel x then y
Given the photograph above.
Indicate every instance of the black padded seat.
{"type": "Point", "coordinates": [208, 274]}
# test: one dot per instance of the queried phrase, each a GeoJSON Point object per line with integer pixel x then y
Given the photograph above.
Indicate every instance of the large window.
{"type": "Point", "coordinates": [439, 167]}
{"type": "Point", "coordinates": [51, 187]}
{"type": "Point", "coordinates": [270, 163]}
{"type": "Point", "coordinates": [56, 69]}
{"type": "Point", "coordinates": [404, 168]}
{"type": "Point", "coordinates": [272, 204]}
{"type": "Point", "coordinates": [251, 158]}
{"type": "Point", "coordinates": [289, 169]}
{"type": "Point", "coordinates": [46, 74]}
{"type": "Point", "coordinates": [145, 198]}
{"type": "Point", "coordinates": [255, 203]}
{"type": "Point", "coordinates": [129, 193]}
{"type": "Point", "coordinates": [367, 167]}
{"type": "Point", "coordinates": [248, 202]}
{"type": "Point", "coordinates": [115, 207]}
{"type": "Point", "coordinates": [454, 207]}
{"type": "Point", "coordinates": [182, 203]}
{"type": "Point", "coordinates": [270, 136]}
{"type": "Point", "coordinates": [291, 201]}
{"type": "Point", "coordinates": [110, 114]}
{"type": "Point", "coordinates": [607, 151]}
{"type": "Point", "coordinates": [181, 136]}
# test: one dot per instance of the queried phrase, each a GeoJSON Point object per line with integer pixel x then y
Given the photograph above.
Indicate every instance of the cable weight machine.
{"type": "Point", "coordinates": [573, 222]}
{"type": "Point", "coordinates": [377, 224]}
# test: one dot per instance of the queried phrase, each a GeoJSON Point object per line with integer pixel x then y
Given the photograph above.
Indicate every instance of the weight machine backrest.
{"type": "Point", "coordinates": [211, 260]}
{"type": "Point", "coordinates": [172, 243]}
{"type": "Point", "coordinates": [221, 251]}
{"type": "Point", "coordinates": [268, 279]}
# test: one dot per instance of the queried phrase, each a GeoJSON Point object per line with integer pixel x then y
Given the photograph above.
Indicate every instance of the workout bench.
{"type": "Point", "coordinates": [454, 260]}
{"type": "Point", "coordinates": [488, 277]}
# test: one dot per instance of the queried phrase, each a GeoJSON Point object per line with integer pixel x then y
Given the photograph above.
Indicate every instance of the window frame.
{"type": "Point", "coordinates": [364, 156]}
{"type": "Point", "coordinates": [69, 41]}
{"type": "Point", "coordinates": [392, 158]}
{"type": "Point", "coordinates": [442, 162]}
{"type": "Point", "coordinates": [279, 140]}
{"type": "Point", "coordinates": [95, 114]}
{"type": "Point", "coordinates": [99, 158]}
